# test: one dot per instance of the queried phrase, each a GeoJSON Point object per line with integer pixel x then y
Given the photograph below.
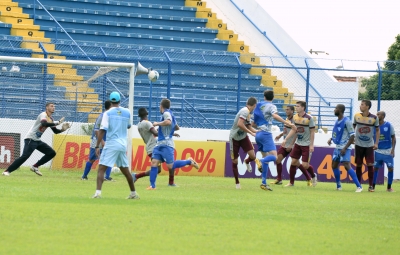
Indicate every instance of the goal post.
{"type": "Point", "coordinates": [78, 89]}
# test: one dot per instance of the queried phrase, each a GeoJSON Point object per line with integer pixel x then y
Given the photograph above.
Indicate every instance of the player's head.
{"type": "Point", "coordinates": [50, 107]}
{"type": "Point", "coordinates": [165, 105]}
{"type": "Point", "coordinates": [142, 112]}
{"type": "Point", "coordinates": [115, 97]}
{"type": "Point", "coordinates": [339, 109]}
{"type": "Point", "coordinates": [269, 95]}
{"type": "Point", "coordinates": [365, 105]}
{"type": "Point", "coordinates": [381, 115]}
{"type": "Point", "coordinates": [107, 104]}
{"type": "Point", "coordinates": [300, 106]}
{"type": "Point", "coordinates": [289, 110]}
{"type": "Point", "coordinates": [251, 103]}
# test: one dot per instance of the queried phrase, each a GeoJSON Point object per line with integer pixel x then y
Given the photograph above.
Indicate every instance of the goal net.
{"type": "Point", "coordinates": [78, 90]}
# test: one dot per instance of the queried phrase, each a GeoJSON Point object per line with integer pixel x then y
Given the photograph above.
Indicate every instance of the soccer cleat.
{"type": "Point", "coordinates": [96, 196]}
{"type": "Point", "coordinates": [249, 168]}
{"type": "Point", "coordinates": [359, 189]}
{"type": "Point", "coordinates": [134, 177]}
{"type": "Point", "coordinates": [314, 181]}
{"type": "Point", "coordinates": [390, 190]}
{"type": "Point", "coordinates": [109, 179]}
{"type": "Point", "coordinates": [84, 178]}
{"type": "Point", "coordinates": [173, 185]}
{"type": "Point", "coordinates": [289, 185]}
{"type": "Point", "coordinates": [238, 186]}
{"type": "Point", "coordinates": [277, 182]}
{"type": "Point", "coordinates": [265, 187]}
{"type": "Point", "coordinates": [194, 163]}
{"type": "Point", "coordinates": [371, 189]}
{"type": "Point", "coordinates": [150, 188]}
{"type": "Point", "coordinates": [5, 173]}
{"type": "Point", "coordinates": [309, 183]}
{"type": "Point", "coordinates": [259, 165]}
{"type": "Point", "coordinates": [36, 170]}
{"type": "Point", "coordinates": [339, 188]}
{"type": "Point", "coordinates": [133, 196]}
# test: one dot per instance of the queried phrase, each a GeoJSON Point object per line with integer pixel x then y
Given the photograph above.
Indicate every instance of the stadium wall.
{"type": "Point", "coordinates": [191, 142]}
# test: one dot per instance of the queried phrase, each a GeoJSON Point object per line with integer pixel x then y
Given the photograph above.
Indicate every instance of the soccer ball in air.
{"type": "Point", "coordinates": [153, 76]}
{"type": "Point", "coordinates": [115, 170]}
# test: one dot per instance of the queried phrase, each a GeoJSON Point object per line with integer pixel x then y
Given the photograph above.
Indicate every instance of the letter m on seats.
{"type": "Point", "coordinates": [199, 3]}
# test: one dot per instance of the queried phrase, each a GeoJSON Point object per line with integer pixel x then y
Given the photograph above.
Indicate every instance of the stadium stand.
{"type": "Point", "coordinates": [183, 40]}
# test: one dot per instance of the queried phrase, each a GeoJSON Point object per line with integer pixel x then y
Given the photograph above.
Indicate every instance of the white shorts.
{"type": "Point", "coordinates": [109, 157]}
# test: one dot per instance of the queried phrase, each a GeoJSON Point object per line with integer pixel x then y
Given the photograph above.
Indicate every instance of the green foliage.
{"type": "Point", "coordinates": [390, 81]}
{"type": "Point", "coordinates": [88, 128]}
{"type": "Point", "coordinates": [53, 214]}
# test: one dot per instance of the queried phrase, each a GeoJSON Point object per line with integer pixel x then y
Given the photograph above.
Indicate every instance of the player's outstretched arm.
{"type": "Point", "coordinates": [163, 123]}
{"type": "Point", "coordinates": [177, 127]}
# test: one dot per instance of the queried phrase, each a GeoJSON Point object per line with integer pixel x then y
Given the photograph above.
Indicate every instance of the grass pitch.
{"type": "Point", "coordinates": [54, 215]}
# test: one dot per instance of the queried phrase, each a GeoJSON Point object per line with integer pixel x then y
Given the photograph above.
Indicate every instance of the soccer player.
{"type": "Point", "coordinates": [263, 115]}
{"type": "Point", "coordinates": [303, 144]}
{"type": "Point", "coordinates": [164, 149]}
{"type": "Point", "coordinates": [364, 124]}
{"type": "Point", "coordinates": [385, 151]}
{"type": "Point", "coordinates": [343, 137]}
{"type": "Point", "coordinates": [149, 134]}
{"type": "Point", "coordinates": [238, 138]}
{"type": "Point", "coordinates": [116, 121]}
{"type": "Point", "coordinates": [92, 153]}
{"type": "Point", "coordinates": [33, 140]}
{"type": "Point", "coordinates": [283, 152]}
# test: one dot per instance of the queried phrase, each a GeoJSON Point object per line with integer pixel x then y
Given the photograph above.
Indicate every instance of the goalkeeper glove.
{"type": "Point", "coordinates": [65, 126]}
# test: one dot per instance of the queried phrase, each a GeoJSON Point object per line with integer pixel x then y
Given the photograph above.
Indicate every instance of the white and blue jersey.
{"type": "Point", "coordinates": [263, 119]}
{"type": "Point", "coordinates": [342, 131]}
{"type": "Point", "coordinates": [164, 150]}
{"type": "Point", "coordinates": [93, 138]}
{"type": "Point", "coordinates": [116, 122]}
{"type": "Point", "coordinates": [383, 153]}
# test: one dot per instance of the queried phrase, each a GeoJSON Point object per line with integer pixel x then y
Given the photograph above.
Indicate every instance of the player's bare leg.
{"type": "Point", "coordinates": [250, 158]}
{"type": "Point", "coordinates": [100, 179]}
{"type": "Point", "coordinates": [236, 172]}
{"type": "Point", "coordinates": [128, 176]}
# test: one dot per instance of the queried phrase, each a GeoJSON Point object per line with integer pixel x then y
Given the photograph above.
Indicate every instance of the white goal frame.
{"type": "Point", "coordinates": [131, 67]}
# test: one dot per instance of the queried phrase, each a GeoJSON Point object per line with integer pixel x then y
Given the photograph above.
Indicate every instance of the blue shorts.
{"type": "Point", "coordinates": [265, 141]}
{"type": "Point", "coordinates": [92, 154]}
{"type": "Point", "coordinates": [109, 157]}
{"type": "Point", "coordinates": [341, 158]}
{"type": "Point", "coordinates": [382, 158]}
{"type": "Point", "coordinates": [163, 153]}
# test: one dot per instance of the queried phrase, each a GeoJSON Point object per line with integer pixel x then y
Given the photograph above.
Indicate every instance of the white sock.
{"type": "Point", "coordinates": [133, 193]}
{"type": "Point", "coordinates": [98, 192]}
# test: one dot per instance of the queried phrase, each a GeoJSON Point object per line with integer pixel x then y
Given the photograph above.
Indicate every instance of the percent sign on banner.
{"type": "Point", "coordinates": [209, 155]}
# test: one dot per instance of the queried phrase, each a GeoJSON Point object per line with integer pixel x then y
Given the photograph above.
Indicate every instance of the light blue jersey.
{"type": "Point", "coordinates": [116, 123]}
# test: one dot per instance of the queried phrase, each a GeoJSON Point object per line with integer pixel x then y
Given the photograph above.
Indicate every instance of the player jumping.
{"type": "Point", "coordinates": [33, 140]}
{"type": "Point", "coordinates": [149, 134]}
{"type": "Point", "coordinates": [164, 149]}
{"type": "Point", "coordinates": [238, 138]}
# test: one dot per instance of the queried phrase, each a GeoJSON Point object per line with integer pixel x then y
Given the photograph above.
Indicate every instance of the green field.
{"type": "Point", "coordinates": [53, 214]}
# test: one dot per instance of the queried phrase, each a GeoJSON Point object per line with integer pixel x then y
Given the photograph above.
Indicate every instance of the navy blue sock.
{"type": "Point", "coordinates": [336, 172]}
{"type": "Point", "coordinates": [375, 178]}
{"type": "Point", "coordinates": [108, 172]}
{"type": "Point", "coordinates": [390, 179]}
{"type": "Point", "coordinates": [87, 169]}
{"type": "Point", "coordinates": [264, 173]}
{"type": "Point", "coordinates": [181, 163]}
{"type": "Point", "coordinates": [268, 158]}
{"type": "Point", "coordinates": [153, 176]}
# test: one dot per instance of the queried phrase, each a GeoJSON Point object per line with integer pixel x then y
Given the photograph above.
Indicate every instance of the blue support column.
{"type": "Point", "coordinates": [150, 100]}
{"type": "Point", "coordinates": [239, 83]}
{"type": "Point", "coordinates": [307, 84]}
{"type": "Point", "coordinates": [169, 75]}
{"type": "Point", "coordinates": [379, 85]}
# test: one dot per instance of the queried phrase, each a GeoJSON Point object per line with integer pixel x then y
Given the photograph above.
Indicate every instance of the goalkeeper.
{"type": "Point", "coordinates": [33, 140]}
